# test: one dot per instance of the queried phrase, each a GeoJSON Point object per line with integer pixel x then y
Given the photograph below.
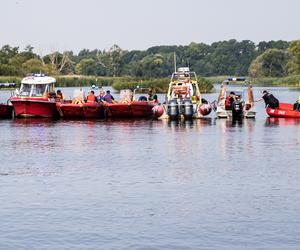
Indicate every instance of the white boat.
{"type": "Point", "coordinates": [223, 106]}
{"type": "Point", "coordinates": [183, 100]}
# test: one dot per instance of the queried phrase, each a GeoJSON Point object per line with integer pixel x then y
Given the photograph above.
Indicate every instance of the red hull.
{"type": "Point", "coordinates": [142, 109]}
{"type": "Point", "coordinates": [285, 110]}
{"type": "Point", "coordinates": [130, 110]}
{"type": "Point", "coordinates": [5, 111]}
{"type": "Point", "coordinates": [34, 107]}
{"type": "Point", "coordinates": [81, 111]}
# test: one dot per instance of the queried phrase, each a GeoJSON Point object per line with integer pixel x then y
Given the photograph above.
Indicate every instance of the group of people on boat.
{"type": "Point", "coordinates": [108, 97]}
{"type": "Point", "coordinates": [102, 97]}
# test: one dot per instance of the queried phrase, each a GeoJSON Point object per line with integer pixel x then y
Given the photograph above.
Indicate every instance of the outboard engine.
{"type": "Point", "coordinates": [187, 109]}
{"type": "Point", "coordinates": [173, 110]}
{"type": "Point", "coordinates": [237, 110]}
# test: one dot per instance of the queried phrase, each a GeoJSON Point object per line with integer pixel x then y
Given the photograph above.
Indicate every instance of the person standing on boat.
{"type": "Point", "coordinates": [270, 100]}
{"type": "Point", "coordinates": [108, 97]}
{"type": "Point", "coordinates": [91, 97]}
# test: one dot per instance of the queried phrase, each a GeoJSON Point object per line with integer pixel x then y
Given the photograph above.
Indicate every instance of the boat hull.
{"type": "Point", "coordinates": [141, 109]}
{"type": "Point", "coordinates": [285, 110]}
{"type": "Point", "coordinates": [81, 111]}
{"type": "Point", "coordinates": [6, 111]}
{"type": "Point", "coordinates": [223, 113]}
{"type": "Point", "coordinates": [29, 107]}
{"type": "Point", "coordinates": [135, 109]}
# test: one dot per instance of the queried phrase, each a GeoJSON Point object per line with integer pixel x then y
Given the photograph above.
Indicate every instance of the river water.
{"type": "Point", "coordinates": [205, 184]}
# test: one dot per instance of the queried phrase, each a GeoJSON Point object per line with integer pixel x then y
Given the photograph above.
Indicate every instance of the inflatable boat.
{"type": "Point", "coordinates": [285, 110]}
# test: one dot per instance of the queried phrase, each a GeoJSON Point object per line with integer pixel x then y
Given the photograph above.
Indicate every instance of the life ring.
{"type": "Point", "coordinates": [77, 101]}
{"type": "Point", "coordinates": [124, 102]}
{"type": "Point", "coordinates": [181, 89]}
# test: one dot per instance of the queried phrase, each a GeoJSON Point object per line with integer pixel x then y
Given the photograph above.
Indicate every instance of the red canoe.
{"type": "Point", "coordinates": [89, 110]}
{"type": "Point", "coordinates": [135, 109]}
{"type": "Point", "coordinates": [285, 110]}
{"type": "Point", "coordinates": [6, 111]}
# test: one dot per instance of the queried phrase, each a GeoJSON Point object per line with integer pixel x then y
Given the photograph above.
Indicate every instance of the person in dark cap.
{"type": "Point", "coordinates": [270, 100]}
{"type": "Point", "coordinates": [108, 97]}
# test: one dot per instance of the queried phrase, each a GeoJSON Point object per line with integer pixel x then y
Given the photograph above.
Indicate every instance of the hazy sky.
{"type": "Point", "coordinates": [50, 25]}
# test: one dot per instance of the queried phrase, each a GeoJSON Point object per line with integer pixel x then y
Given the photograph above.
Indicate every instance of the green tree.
{"type": "Point", "coordinates": [294, 64]}
{"type": "Point", "coordinates": [86, 67]}
{"type": "Point", "coordinates": [272, 63]}
{"type": "Point", "coordinates": [33, 65]}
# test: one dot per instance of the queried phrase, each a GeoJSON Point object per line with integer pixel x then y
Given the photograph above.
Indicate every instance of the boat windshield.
{"type": "Point", "coordinates": [25, 89]}
{"type": "Point", "coordinates": [39, 90]}
{"type": "Point", "coordinates": [34, 90]}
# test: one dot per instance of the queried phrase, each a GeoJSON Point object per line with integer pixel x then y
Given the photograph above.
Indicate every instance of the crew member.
{"type": "Point", "coordinates": [59, 95]}
{"type": "Point", "coordinates": [297, 104]}
{"type": "Point", "coordinates": [270, 100]}
{"type": "Point", "coordinates": [108, 97]}
{"type": "Point", "coordinates": [91, 97]}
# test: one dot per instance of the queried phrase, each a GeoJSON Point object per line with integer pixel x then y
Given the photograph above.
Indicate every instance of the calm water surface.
{"type": "Point", "coordinates": [205, 184]}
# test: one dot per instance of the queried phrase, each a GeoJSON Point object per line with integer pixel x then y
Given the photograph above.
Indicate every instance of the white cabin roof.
{"type": "Point", "coordinates": [38, 79]}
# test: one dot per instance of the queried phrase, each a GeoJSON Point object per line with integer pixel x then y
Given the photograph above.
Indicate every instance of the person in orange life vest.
{"type": "Point", "coordinates": [91, 97]}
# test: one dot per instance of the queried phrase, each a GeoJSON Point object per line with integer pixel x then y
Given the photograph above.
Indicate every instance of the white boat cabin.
{"type": "Point", "coordinates": [37, 85]}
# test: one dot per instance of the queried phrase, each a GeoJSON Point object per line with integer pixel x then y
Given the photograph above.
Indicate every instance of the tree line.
{"type": "Point", "coordinates": [232, 57]}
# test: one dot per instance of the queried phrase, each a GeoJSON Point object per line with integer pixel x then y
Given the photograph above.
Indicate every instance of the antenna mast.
{"type": "Point", "coordinates": [175, 66]}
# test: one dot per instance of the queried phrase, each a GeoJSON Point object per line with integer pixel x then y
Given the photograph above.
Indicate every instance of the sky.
{"type": "Point", "coordinates": [50, 25]}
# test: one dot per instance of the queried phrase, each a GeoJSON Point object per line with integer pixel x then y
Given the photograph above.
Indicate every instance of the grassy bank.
{"type": "Point", "coordinates": [159, 85]}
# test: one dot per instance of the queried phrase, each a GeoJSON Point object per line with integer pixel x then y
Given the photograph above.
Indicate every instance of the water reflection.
{"type": "Point", "coordinates": [34, 122]}
{"type": "Point", "coordinates": [188, 124]}
{"type": "Point", "coordinates": [274, 122]}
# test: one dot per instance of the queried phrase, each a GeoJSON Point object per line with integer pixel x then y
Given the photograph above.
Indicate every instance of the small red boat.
{"type": "Point", "coordinates": [6, 111]}
{"type": "Point", "coordinates": [33, 99]}
{"type": "Point", "coordinates": [88, 110]}
{"type": "Point", "coordinates": [285, 110]}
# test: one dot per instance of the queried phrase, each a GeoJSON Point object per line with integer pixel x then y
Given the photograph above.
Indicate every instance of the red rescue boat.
{"type": "Point", "coordinates": [34, 99]}
{"type": "Point", "coordinates": [6, 111]}
{"type": "Point", "coordinates": [285, 110]}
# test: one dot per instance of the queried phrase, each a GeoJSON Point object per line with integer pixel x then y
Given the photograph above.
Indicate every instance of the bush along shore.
{"type": "Point", "coordinates": [159, 85]}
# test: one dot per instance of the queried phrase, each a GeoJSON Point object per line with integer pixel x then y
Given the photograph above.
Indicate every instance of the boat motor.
{"type": "Point", "coordinates": [173, 110]}
{"type": "Point", "coordinates": [237, 110]}
{"type": "Point", "coordinates": [187, 107]}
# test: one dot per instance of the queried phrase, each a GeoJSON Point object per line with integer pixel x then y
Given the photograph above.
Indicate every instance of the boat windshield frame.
{"type": "Point", "coordinates": [32, 89]}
